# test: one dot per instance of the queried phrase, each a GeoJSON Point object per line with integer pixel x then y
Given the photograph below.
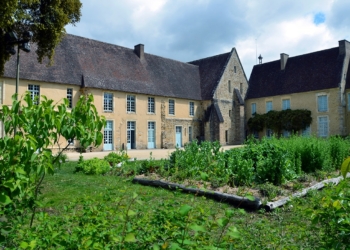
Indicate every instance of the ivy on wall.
{"type": "Point", "coordinates": [290, 120]}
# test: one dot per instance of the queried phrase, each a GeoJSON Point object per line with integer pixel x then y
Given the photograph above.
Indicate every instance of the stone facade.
{"type": "Point", "coordinates": [179, 94]}
{"type": "Point", "coordinates": [231, 106]}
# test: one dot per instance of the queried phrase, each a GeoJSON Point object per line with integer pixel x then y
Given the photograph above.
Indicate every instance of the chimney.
{"type": "Point", "coordinates": [284, 58]}
{"type": "Point", "coordinates": [139, 50]}
{"type": "Point", "coordinates": [344, 47]}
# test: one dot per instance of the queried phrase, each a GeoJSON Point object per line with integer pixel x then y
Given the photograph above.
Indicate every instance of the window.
{"type": "Point", "coordinates": [285, 104]}
{"type": "Point", "coordinates": [235, 69]}
{"type": "Point", "coordinates": [256, 134]}
{"type": "Point", "coordinates": [70, 98]}
{"type": "Point", "coordinates": [226, 136]}
{"type": "Point", "coordinates": [190, 134]}
{"type": "Point", "coordinates": [191, 108]}
{"type": "Point", "coordinates": [108, 102]}
{"type": "Point", "coordinates": [348, 101]}
{"type": "Point", "coordinates": [323, 126]}
{"type": "Point", "coordinates": [171, 107]}
{"type": "Point", "coordinates": [241, 88]}
{"type": "Point", "coordinates": [151, 105]}
{"type": "Point", "coordinates": [130, 103]}
{"type": "Point", "coordinates": [268, 106]}
{"type": "Point", "coordinates": [322, 102]}
{"type": "Point", "coordinates": [286, 133]}
{"type": "Point", "coordinates": [306, 131]}
{"type": "Point", "coordinates": [269, 132]}
{"type": "Point", "coordinates": [253, 108]}
{"type": "Point", "coordinates": [229, 86]}
{"type": "Point", "coordinates": [34, 92]}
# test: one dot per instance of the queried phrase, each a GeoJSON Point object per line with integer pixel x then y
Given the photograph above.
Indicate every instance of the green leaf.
{"type": "Point", "coordinates": [337, 204]}
{"type": "Point", "coordinates": [204, 176]}
{"type": "Point", "coordinates": [198, 228]}
{"type": "Point", "coordinates": [233, 232]}
{"type": "Point", "coordinates": [24, 245]}
{"type": "Point", "coordinates": [130, 237]}
{"type": "Point", "coordinates": [222, 222]}
{"type": "Point", "coordinates": [250, 197]}
{"type": "Point", "coordinates": [345, 167]}
{"type": "Point", "coordinates": [131, 213]}
{"type": "Point", "coordinates": [4, 199]}
{"type": "Point", "coordinates": [185, 209]}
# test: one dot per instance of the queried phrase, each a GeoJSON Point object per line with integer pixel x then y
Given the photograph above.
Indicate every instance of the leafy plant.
{"type": "Point", "coordinates": [93, 166]}
{"type": "Point", "coordinates": [31, 129]}
{"type": "Point", "coordinates": [115, 158]}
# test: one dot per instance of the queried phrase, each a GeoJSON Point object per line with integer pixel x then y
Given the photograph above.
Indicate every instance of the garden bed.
{"type": "Point", "coordinates": [243, 197]}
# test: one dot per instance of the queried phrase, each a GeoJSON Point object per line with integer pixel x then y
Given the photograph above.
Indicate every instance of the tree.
{"type": "Point", "coordinates": [46, 19]}
{"type": "Point", "coordinates": [26, 157]}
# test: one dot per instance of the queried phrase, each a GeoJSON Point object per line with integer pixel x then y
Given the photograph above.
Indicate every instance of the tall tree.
{"type": "Point", "coordinates": [46, 20]}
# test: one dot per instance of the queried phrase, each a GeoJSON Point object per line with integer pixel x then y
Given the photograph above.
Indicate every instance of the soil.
{"type": "Point", "coordinates": [265, 192]}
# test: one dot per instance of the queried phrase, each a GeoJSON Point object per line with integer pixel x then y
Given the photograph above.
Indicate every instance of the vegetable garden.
{"type": "Point", "coordinates": [92, 204]}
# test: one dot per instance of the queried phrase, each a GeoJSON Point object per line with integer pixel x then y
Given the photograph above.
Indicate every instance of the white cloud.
{"type": "Point", "coordinates": [187, 30]}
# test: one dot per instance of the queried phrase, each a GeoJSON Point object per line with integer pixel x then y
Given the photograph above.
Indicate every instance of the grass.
{"type": "Point", "coordinates": [285, 228]}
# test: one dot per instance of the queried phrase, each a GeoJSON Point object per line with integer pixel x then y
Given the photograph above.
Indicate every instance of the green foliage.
{"type": "Point", "coordinates": [114, 158]}
{"type": "Point", "coordinates": [93, 166]}
{"type": "Point", "coordinates": [290, 120]}
{"type": "Point", "coordinates": [46, 19]}
{"type": "Point", "coordinates": [332, 215]}
{"type": "Point", "coordinates": [26, 157]}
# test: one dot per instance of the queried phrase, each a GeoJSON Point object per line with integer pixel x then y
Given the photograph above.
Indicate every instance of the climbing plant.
{"type": "Point", "coordinates": [290, 120]}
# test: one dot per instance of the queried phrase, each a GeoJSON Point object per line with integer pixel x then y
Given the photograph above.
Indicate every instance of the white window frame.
{"type": "Point", "coordinates": [191, 106]}
{"type": "Point", "coordinates": [34, 91]}
{"type": "Point", "coordinates": [151, 105]}
{"type": "Point", "coordinates": [322, 103]}
{"type": "Point", "coordinates": [171, 109]}
{"type": "Point", "coordinates": [130, 103]}
{"type": "Point", "coordinates": [253, 108]}
{"type": "Point", "coordinates": [107, 102]}
{"type": "Point", "coordinates": [285, 104]}
{"type": "Point", "coordinates": [70, 97]}
{"type": "Point", "coordinates": [323, 126]}
{"type": "Point", "coordinates": [269, 106]}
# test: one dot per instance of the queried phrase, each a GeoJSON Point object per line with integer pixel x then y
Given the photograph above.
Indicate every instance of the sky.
{"type": "Point", "coordinates": [187, 30]}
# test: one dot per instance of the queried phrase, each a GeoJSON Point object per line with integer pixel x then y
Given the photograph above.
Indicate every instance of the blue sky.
{"type": "Point", "coordinates": [187, 30]}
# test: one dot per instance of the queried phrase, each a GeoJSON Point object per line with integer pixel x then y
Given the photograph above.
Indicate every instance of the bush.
{"type": "Point", "coordinates": [93, 166]}
{"type": "Point", "coordinates": [114, 158]}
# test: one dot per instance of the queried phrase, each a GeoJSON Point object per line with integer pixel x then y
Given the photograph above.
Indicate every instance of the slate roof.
{"type": "Point", "coordinates": [314, 71]}
{"type": "Point", "coordinates": [107, 66]}
{"type": "Point", "coordinates": [211, 70]}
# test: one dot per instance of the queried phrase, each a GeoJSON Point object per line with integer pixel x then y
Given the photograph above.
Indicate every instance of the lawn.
{"type": "Point", "coordinates": [107, 211]}
{"type": "Point", "coordinates": [74, 196]}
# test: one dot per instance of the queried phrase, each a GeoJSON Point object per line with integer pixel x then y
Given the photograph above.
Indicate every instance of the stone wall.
{"type": "Point", "coordinates": [232, 112]}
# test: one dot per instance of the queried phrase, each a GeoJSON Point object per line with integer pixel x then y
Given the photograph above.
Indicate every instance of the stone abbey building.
{"type": "Point", "coordinates": [148, 101]}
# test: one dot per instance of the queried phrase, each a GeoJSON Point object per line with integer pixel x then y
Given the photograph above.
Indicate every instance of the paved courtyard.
{"type": "Point", "coordinates": [139, 154]}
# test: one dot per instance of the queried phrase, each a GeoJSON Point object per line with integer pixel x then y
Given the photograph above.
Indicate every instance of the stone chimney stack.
{"type": "Point", "coordinates": [139, 50]}
{"type": "Point", "coordinates": [344, 47]}
{"type": "Point", "coordinates": [284, 58]}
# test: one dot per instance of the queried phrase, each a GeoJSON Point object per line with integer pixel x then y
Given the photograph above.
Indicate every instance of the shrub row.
{"type": "Point", "coordinates": [268, 160]}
